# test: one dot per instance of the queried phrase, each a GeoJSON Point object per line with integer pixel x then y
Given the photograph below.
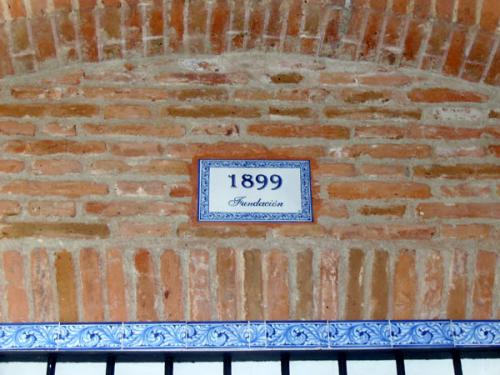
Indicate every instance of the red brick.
{"type": "Point", "coordinates": [88, 28]}
{"type": "Point", "coordinates": [443, 132]}
{"type": "Point", "coordinates": [328, 285]}
{"type": "Point", "coordinates": [140, 188]}
{"type": "Point", "coordinates": [229, 130]}
{"type": "Point", "coordinates": [304, 131]}
{"type": "Point", "coordinates": [111, 166]}
{"type": "Point", "coordinates": [432, 285]}
{"type": "Point", "coordinates": [57, 129]}
{"type": "Point", "coordinates": [299, 112]}
{"type": "Point", "coordinates": [331, 78]}
{"type": "Point", "coordinates": [304, 303]}
{"type": "Point", "coordinates": [357, 96]}
{"type": "Point", "coordinates": [392, 151]}
{"type": "Point", "coordinates": [16, 128]}
{"type": "Point", "coordinates": [116, 286]}
{"type": "Point", "coordinates": [405, 285]}
{"type": "Point", "coordinates": [332, 209]}
{"type": "Point", "coordinates": [384, 79]}
{"type": "Point", "coordinates": [490, 14]}
{"type": "Point", "coordinates": [484, 280]}
{"type": "Point", "coordinates": [180, 190]}
{"type": "Point", "coordinates": [379, 301]}
{"type": "Point", "coordinates": [276, 286]}
{"type": "Point", "coordinates": [210, 111]}
{"type": "Point", "coordinates": [300, 230]}
{"type": "Point", "coordinates": [66, 287]}
{"type": "Point", "coordinates": [378, 190]}
{"type": "Point", "coordinates": [354, 305]}
{"type": "Point", "coordinates": [50, 147]}
{"type": "Point", "coordinates": [459, 210]}
{"type": "Point", "coordinates": [458, 171]}
{"type": "Point", "coordinates": [163, 167]}
{"type": "Point", "coordinates": [92, 299]}
{"type": "Point", "coordinates": [466, 190]}
{"type": "Point", "coordinates": [228, 291]}
{"type": "Point", "coordinates": [145, 286]}
{"type": "Point", "coordinates": [336, 169]}
{"type": "Point", "coordinates": [15, 290]}
{"type": "Point", "coordinates": [220, 21]}
{"type": "Point", "coordinates": [458, 288]}
{"type": "Point", "coordinates": [371, 113]}
{"type": "Point", "coordinates": [133, 208]}
{"type": "Point", "coordinates": [54, 230]}
{"type": "Point", "coordinates": [9, 208]}
{"type": "Point", "coordinates": [172, 286]}
{"type": "Point", "coordinates": [466, 231]}
{"type": "Point", "coordinates": [199, 285]}
{"type": "Point", "coordinates": [395, 210]}
{"type": "Point", "coordinates": [481, 48]}
{"type": "Point", "coordinates": [221, 231]}
{"type": "Point", "coordinates": [253, 285]}
{"type": "Point", "coordinates": [45, 110]}
{"type": "Point", "coordinates": [203, 78]}
{"type": "Point", "coordinates": [286, 78]}
{"type": "Point", "coordinates": [176, 24]}
{"type": "Point", "coordinates": [134, 230]}
{"type": "Point", "coordinates": [383, 232]}
{"type": "Point", "coordinates": [456, 54]}
{"type": "Point", "coordinates": [52, 208]}
{"type": "Point", "coordinates": [167, 130]}
{"type": "Point", "coordinates": [494, 150]}
{"type": "Point", "coordinates": [56, 166]}
{"type": "Point", "coordinates": [376, 131]}
{"type": "Point", "coordinates": [44, 304]}
{"type": "Point", "coordinates": [443, 95]}
{"type": "Point", "coordinates": [126, 112]}
{"type": "Point", "coordinates": [413, 42]}
{"type": "Point", "coordinates": [134, 149]}
{"type": "Point", "coordinates": [11, 166]}
{"type": "Point", "coordinates": [69, 189]}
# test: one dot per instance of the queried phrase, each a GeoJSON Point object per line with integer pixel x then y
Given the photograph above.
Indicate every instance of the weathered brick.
{"type": "Point", "coordinates": [210, 111]}
{"type": "Point", "coordinates": [394, 210]}
{"type": "Point", "coordinates": [167, 130]}
{"type": "Point", "coordinates": [133, 208]}
{"type": "Point", "coordinates": [405, 285]}
{"type": "Point", "coordinates": [56, 230]}
{"type": "Point", "coordinates": [203, 78]}
{"type": "Point", "coordinates": [126, 112]}
{"type": "Point", "coordinates": [378, 190]}
{"type": "Point", "coordinates": [145, 286]}
{"type": "Point", "coordinates": [48, 110]}
{"type": "Point", "coordinates": [458, 171]}
{"type": "Point", "coordinates": [466, 231]}
{"type": "Point", "coordinates": [276, 286]}
{"type": "Point", "coordinates": [52, 208]}
{"type": "Point", "coordinates": [116, 286]}
{"type": "Point", "coordinates": [172, 285]}
{"type": "Point", "coordinates": [56, 166]}
{"type": "Point", "coordinates": [16, 128]}
{"type": "Point", "coordinates": [228, 292]}
{"type": "Point", "coordinates": [383, 232]}
{"type": "Point", "coordinates": [253, 285]}
{"type": "Point", "coordinates": [286, 78]}
{"type": "Point", "coordinates": [432, 285]}
{"type": "Point", "coordinates": [134, 230]}
{"type": "Point", "coordinates": [199, 285]}
{"type": "Point", "coordinates": [221, 231]}
{"type": "Point", "coordinates": [133, 149]}
{"type": "Point", "coordinates": [44, 304]}
{"type": "Point", "coordinates": [356, 281]}
{"type": "Point", "coordinates": [140, 188]}
{"type": "Point", "coordinates": [379, 301]}
{"type": "Point", "coordinates": [16, 295]}
{"type": "Point", "coordinates": [66, 287]}
{"type": "Point", "coordinates": [392, 151]}
{"type": "Point", "coordinates": [69, 189]}
{"type": "Point", "coordinates": [459, 210]}
{"type": "Point", "coordinates": [484, 280]}
{"type": "Point", "coordinates": [328, 285]}
{"type": "Point", "coordinates": [11, 166]}
{"type": "Point", "coordinates": [306, 131]}
{"type": "Point", "coordinates": [443, 95]}
{"type": "Point", "coordinates": [458, 288]}
{"type": "Point", "coordinates": [90, 274]}
{"type": "Point", "coordinates": [50, 147]}
{"type": "Point", "coordinates": [372, 113]}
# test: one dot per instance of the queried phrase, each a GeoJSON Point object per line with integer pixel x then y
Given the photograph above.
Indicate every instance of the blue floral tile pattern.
{"type": "Point", "coordinates": [89, 336]}
{"type": "Point", "coordinates": [28, 336]}
{"type": "Point", "coordinates": [297, 334]}
{"type": "Point", "coordinates": [474, 333]}
{"type": "Point", "coordinates": [253, 335]}
{"type": "Point", "coordinates": [153, 336]}
{"type": "Point", "coordinates": [361, 334]}
{"type": "Point", "coordinates": [421, 333]}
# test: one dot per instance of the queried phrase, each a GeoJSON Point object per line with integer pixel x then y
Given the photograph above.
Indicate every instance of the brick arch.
{"type": "Point", "coordinates": [453, 37]}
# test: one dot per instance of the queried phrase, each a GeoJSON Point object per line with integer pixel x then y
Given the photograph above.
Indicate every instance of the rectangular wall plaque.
{"type": "Point", "coordinates": [254, 190]}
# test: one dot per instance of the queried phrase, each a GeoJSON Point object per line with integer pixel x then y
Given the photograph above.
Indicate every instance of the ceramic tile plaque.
{"type": "Point", "coordinates": [254, 190]}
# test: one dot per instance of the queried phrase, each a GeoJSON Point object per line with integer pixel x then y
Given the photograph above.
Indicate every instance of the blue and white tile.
{"type": "Point", "coordinates": [28, 336]}
{"type": "Point", "coordinates": [297, 335]}
{"type": "Point", "coordinates": [421, 333]}
{"type": "Point", "coordinates": [255, 332]}
{"type": "Point", "coordinates": [216, 335]}
{"type": "Point", "coordinates": [476, 333]}
{"type": "Point", "coordinates": [99, 336]}
{"type": "Point", "coordinates": [359, 334]}
{"type": "Point", "coordinates": [154, 336]}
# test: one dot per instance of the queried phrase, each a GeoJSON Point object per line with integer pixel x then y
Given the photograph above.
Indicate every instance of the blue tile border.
{"type": "Point", "coordinates": [250, 335]}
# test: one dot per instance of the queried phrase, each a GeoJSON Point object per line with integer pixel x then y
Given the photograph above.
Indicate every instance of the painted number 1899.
{"type": "Point", "coordinates": [260, 181]}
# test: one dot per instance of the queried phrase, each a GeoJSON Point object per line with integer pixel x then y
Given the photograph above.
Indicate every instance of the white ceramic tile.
{"type": "Point", "coordinates": [371, 367]}
{"type": "Point", "coordinates": [314, 368]}
{"type": "Point", "coordinates": [23, 368]}
{"type": "Point", "coordinates": [481, 366]}
{"type": "Point", "coordinates": [256, 368]}
{"type": "Point", "coordinates": [198, 368]}
{"type": "Point", "coordinates": [429, 367]}
{"type": "Point", "coordinates": [80, 368]}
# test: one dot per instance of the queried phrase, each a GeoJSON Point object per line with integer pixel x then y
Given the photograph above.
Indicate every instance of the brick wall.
{"type": "Point", "coordinates": [97, 192]}
{"type": "Point", "coordinates": [459, 38]}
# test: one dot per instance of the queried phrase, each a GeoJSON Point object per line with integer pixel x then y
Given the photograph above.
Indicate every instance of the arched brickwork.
{"type": "Point", "coordinates": [454, 37]}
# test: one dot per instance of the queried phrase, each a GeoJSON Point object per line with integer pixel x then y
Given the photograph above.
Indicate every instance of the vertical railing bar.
{"type": "Point", "coordinates": [110, 365]}
{"type": "Point", "coordinates": [285, 364]}
{"type": "Point", "coordinates": [342, 359]}
{"type": "Point", "coordinates": [457, 362]}
{"type": "Point", "coordinates": [51, 364]}
{"type": "Point", "coordinates": [400, 363]}
{"type": "Point", "coordinates": [227, 364]}
{"type": "Point", "coordinates": [169, 366]}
